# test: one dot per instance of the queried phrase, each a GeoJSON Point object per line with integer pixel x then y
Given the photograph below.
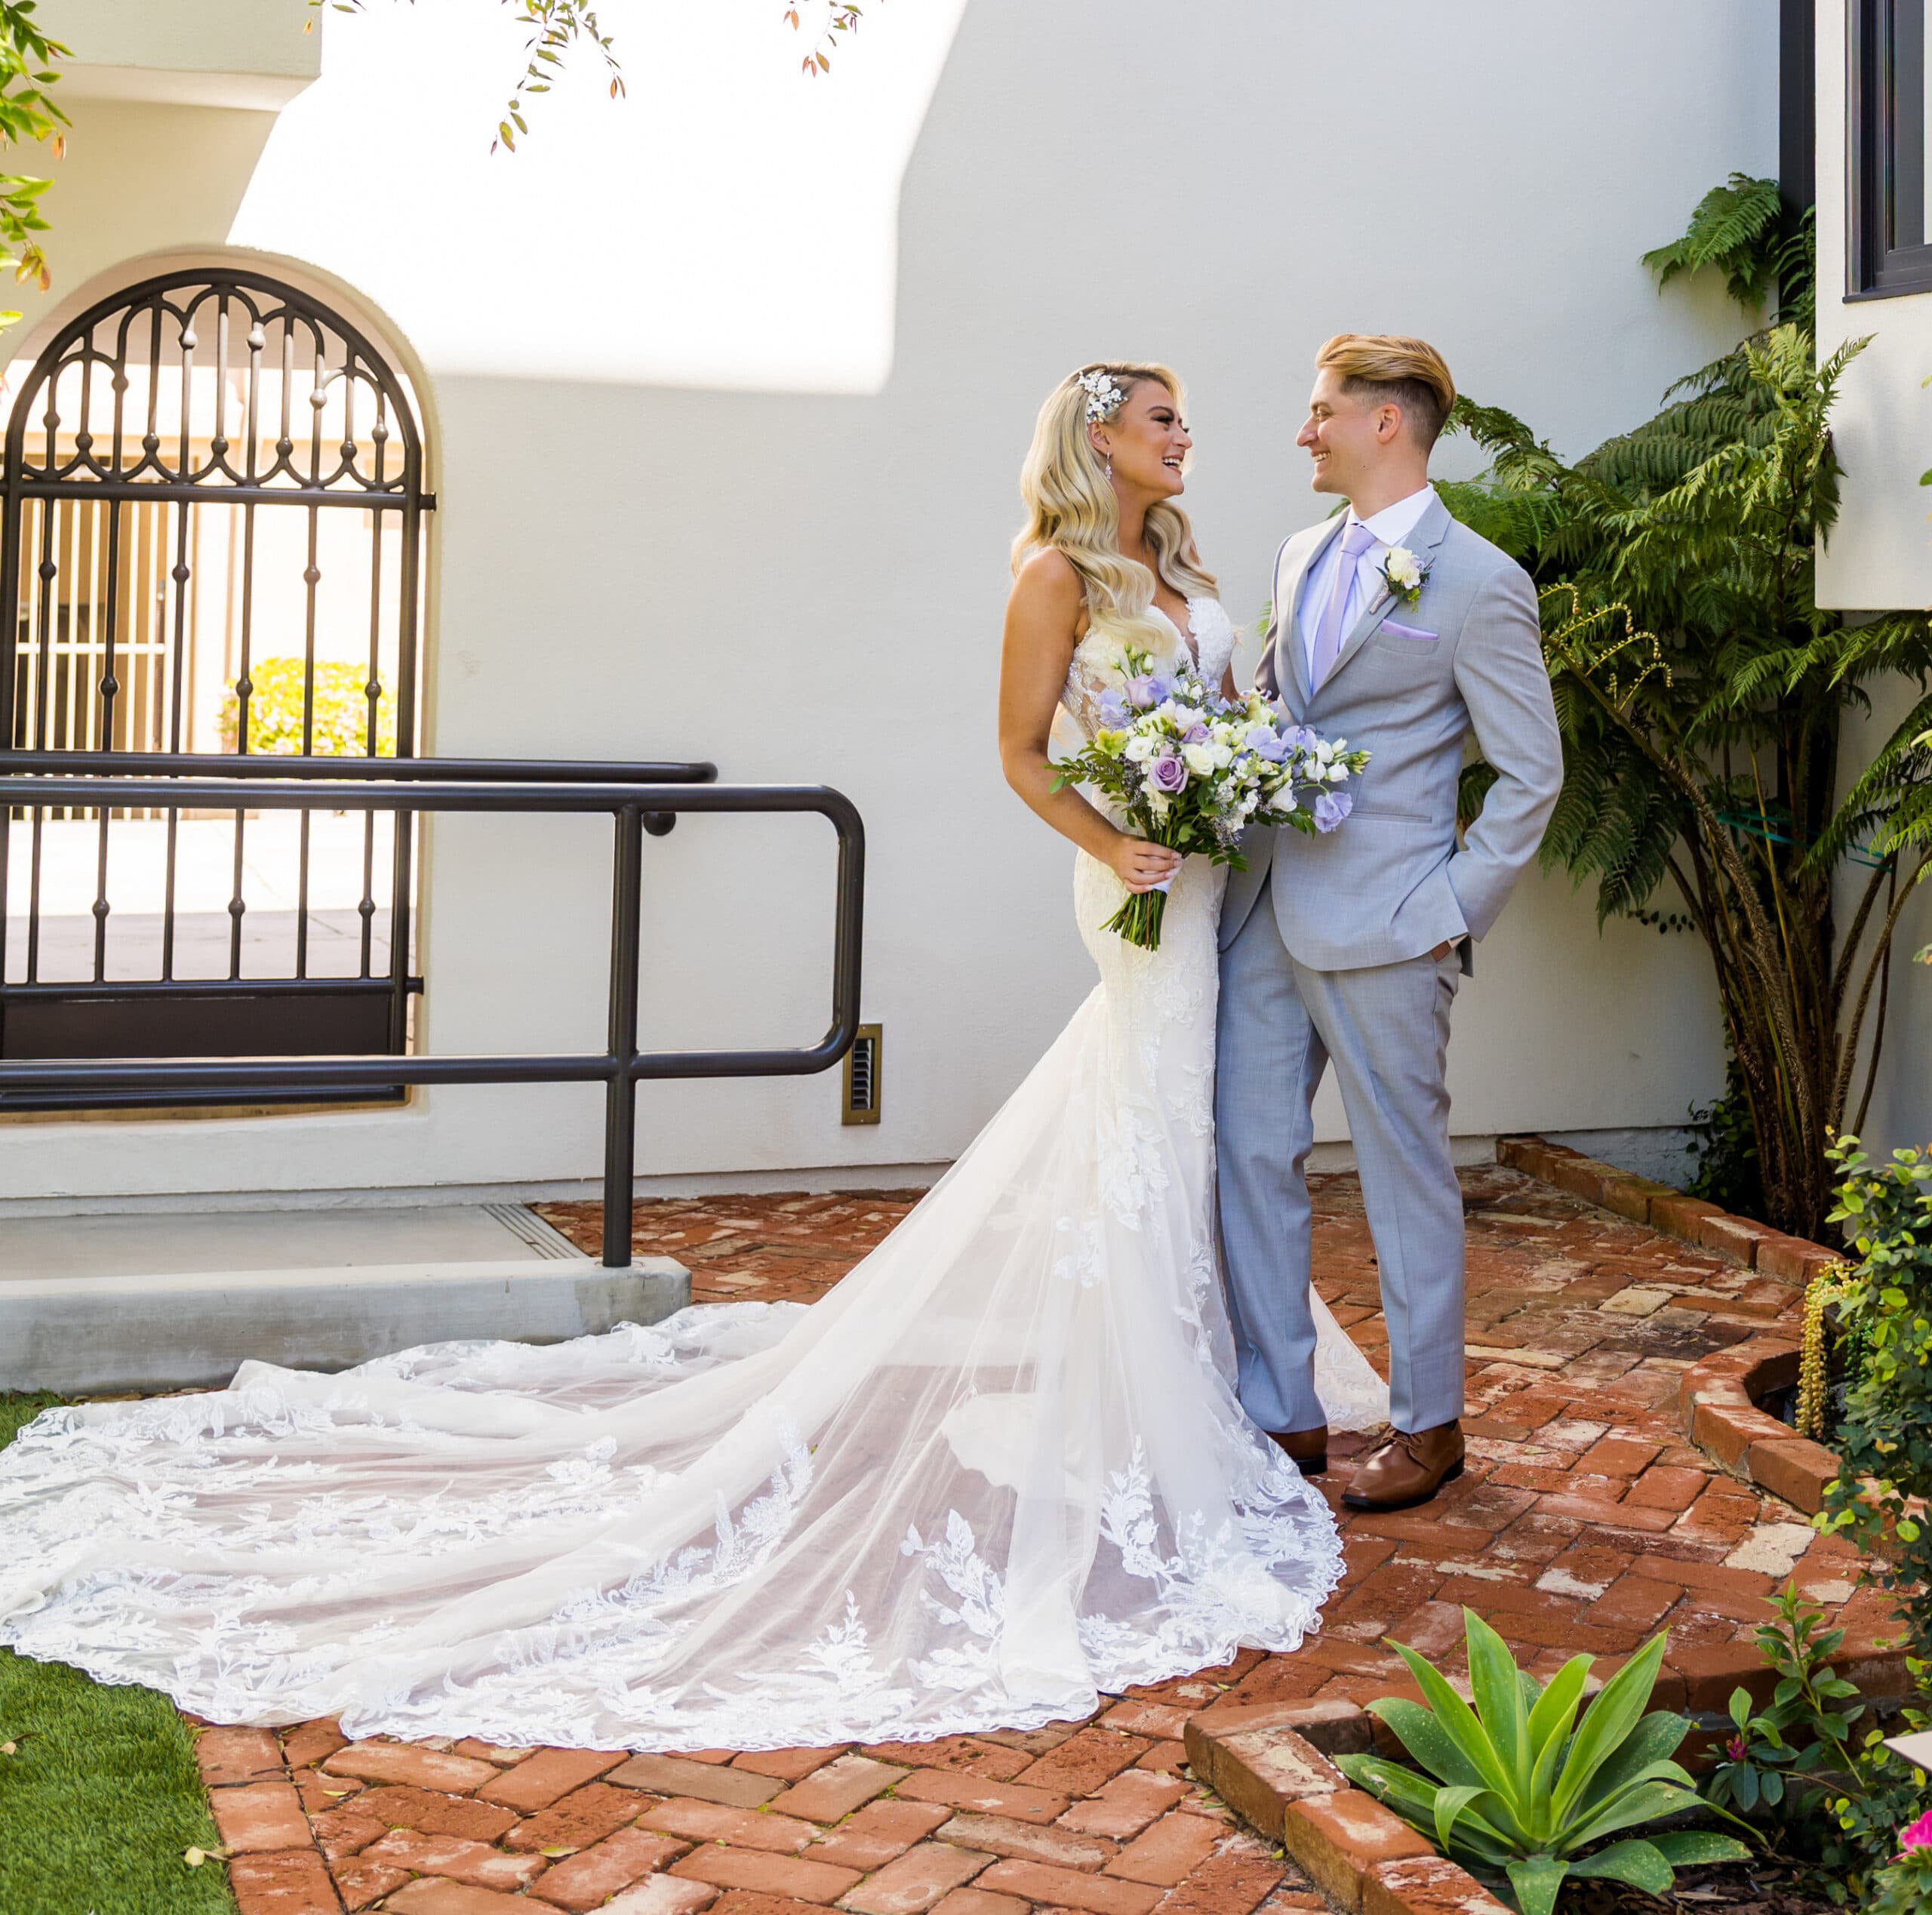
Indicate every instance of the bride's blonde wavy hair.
{"type": "Point", "coordinates": [1072, 509]}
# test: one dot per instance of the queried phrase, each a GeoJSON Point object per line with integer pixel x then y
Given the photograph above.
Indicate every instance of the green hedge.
{"type": "Point", "coordinates": [341, 716]}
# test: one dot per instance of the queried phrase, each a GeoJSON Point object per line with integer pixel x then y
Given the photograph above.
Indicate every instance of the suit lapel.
{"type": "Point", "coordinates": [1423, 538]}
{"type": "Point", "coordinates": [1287, 623]}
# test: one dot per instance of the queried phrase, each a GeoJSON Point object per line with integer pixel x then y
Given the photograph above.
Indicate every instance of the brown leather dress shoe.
{"type": "Point", "coordinates": [1407, 1469]}
{"type": "Point", "coordinates": [1306, 1449]}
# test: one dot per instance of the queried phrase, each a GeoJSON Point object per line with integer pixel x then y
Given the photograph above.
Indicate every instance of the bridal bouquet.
{"type": "Point", "coordinates": [1191, 771]}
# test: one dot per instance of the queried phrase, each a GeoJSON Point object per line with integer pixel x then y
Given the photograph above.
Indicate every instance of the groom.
{"type": "Point", "coordinates": [1401, 631]}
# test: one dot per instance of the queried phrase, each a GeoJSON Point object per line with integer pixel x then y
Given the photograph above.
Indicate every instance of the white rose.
{"type": "Point", "coordinates": [1198, 759]}
{"type": "Point", "coordinates": [1223, 752]}
{"type": "Point", "coordinates": [1139, 748]}
{"type": "Point", "coordinates": [1402, 569]}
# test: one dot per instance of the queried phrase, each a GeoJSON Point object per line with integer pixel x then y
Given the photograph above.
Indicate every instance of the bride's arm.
{"type": "Point", "coordinates": [1043, 620]}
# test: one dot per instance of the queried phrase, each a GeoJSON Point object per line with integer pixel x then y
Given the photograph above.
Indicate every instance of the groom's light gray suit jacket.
{"type": "Point", "coordinates": [1409, 685]}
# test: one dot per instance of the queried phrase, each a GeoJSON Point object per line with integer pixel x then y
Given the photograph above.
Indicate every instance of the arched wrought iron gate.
{"type": "Point", "coordinates": [212, 541]}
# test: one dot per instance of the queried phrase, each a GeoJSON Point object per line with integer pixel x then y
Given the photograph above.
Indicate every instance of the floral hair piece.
{"type": "Point", "coordinates": [1104, 397]}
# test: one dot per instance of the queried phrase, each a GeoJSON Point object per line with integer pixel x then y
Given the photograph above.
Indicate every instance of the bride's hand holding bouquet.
{"type": "Point", "coordinates": [1190, 771]}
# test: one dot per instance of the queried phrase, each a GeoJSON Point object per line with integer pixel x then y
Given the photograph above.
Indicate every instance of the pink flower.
{"type": "Point", "coordinates": [1735, 1748]}
{"type": "Point", "coordinates": [1919, 1835]}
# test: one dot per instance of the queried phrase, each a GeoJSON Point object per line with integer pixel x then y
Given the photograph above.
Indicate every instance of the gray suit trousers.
{"type": "Point", "coordinates": [1385, 1028]}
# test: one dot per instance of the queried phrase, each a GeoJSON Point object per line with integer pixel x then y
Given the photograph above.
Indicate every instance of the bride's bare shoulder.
{"type": "Point", "coordinates": [1048, 595]}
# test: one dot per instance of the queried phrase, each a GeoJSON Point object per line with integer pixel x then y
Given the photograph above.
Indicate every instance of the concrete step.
{"type": "Point", "coordinates": [159, 1300]}
{"type": "Point", "coordinates": [154, 1242]}
{"type": "Point", "coordinates": [186, 1330]}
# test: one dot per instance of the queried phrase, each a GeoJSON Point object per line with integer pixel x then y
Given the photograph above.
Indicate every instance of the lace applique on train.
{"type": "Point", "coordinates": [997, 1471]}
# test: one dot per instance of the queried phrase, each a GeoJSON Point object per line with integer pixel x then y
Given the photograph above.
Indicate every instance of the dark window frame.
{"type": "Point", "coordinates": [1886, 190]}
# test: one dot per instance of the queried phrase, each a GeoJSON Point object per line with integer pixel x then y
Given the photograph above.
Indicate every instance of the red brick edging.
{"type": "Point", "coordinates": [1719, 1396]}
{"type": "Point", "coordinates": [1757, 1246]}
{"type": "Point", "coordinates": [1719, 1400]}
{"type": "Point", "coordinates": [1364, 1857]}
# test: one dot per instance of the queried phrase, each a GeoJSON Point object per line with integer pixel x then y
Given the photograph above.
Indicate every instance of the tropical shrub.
{"type": "Point", "coordinates": [340, 721]}
{"type": "Point", "coordinates": [1703, 693]}
{"type": "Point", "coordinates": [1828, 1796]}
{"type": "Point", "coordinates": [1522, 1788]}
{"type": "Point", "coordinates": [1884, 1433]}
{"type": "Point", "coordinates": [1723, 1150]}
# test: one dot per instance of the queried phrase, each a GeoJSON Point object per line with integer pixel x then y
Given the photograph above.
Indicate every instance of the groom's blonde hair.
{"type": "Point", "coordinates": [1392, 369]}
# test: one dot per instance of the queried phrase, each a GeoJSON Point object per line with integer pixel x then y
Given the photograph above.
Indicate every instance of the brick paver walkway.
{"type": "Point", "coordinates": [1584, 1521]}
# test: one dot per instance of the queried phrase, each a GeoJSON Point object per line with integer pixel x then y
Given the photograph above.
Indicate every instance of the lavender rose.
{"type": "Point", "coordinates": [1140, 692]}
{"type": "Point", "coordinates": [1169, 775]}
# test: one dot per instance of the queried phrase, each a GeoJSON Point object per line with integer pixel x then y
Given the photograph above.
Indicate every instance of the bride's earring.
{"type": "Point", "coordinates": [1110, 465]}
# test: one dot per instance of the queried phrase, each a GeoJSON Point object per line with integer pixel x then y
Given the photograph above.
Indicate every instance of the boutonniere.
{"type": "Point", "coordinates": [1404, 575]}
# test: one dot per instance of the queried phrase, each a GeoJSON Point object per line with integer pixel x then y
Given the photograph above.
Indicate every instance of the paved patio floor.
{"type": "Point", "coordinates": [1584, 1521]}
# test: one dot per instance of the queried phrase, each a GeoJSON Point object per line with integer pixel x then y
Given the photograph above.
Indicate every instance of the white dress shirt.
{"type": "Point", "coordinates": [1391, 525]}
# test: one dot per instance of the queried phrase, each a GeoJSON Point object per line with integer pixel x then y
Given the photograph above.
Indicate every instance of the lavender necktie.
{"type": "Point", "coordinates": [1356, 539]}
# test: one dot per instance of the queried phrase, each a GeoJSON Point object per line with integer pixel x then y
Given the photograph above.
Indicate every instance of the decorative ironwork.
{"type": "Point", "coordinates": [212, 540]}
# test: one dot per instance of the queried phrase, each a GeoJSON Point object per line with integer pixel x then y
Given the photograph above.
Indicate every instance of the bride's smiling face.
{"type": "Point", "coordinates": [1148, 441]}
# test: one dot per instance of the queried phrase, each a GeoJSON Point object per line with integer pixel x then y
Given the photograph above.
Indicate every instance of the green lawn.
{"type": "Point", "coordinates": [101, 1796]}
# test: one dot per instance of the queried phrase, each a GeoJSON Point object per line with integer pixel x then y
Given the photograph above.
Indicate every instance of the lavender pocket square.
{"type": "Point", "coordinates": [1413, 633]}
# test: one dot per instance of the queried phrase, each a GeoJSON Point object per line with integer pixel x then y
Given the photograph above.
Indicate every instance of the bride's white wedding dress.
{"type": "Point", "coordinates": [999, 1468]}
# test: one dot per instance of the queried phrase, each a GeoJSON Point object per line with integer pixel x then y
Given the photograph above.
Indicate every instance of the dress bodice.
{"type": "Point", "coordinates": [1096, 667]}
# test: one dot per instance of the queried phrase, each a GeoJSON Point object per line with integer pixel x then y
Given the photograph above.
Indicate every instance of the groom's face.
{"type": "Point", "coordinates": [1347, 436]}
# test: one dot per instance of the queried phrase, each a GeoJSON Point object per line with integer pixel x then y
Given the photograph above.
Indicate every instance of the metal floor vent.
{"type": "Point", "coordinates": [863, 1063]}
{"type": "Point", "coordinates": [527, 1227]}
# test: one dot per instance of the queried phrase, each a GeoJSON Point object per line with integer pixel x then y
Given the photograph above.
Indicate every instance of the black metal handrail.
{"type": "Point", "coordinates": [548, 787]}
{"type": "Point", "coordinates": [257, 765]}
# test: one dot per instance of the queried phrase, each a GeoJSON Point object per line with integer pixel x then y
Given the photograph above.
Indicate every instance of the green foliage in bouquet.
{"type": "Point", "coordinates": [1187, 769]}
{"type": "Point", "coordinates": [1831, 1797]}
{"type": "Point", "coordinates": [1522, 1788]}
{"type": "Point", "coordinates": [339, 718]}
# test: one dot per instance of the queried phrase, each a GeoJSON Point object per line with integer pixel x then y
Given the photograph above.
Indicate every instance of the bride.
{"type": "Point", "coordinates": [998, 1470]}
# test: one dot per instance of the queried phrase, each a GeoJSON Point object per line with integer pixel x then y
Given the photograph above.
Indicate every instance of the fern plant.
{"type": "Point", "coordinates": [1703, 693]}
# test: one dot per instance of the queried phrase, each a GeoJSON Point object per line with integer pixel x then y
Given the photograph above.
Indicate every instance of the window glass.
{"type": "Point", "coordinates": [1910, 130]}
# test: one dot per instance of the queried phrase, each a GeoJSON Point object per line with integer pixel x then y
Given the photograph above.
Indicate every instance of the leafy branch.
{"type": "Point", "coordinates": [842, 16]}
{"type": "Point", "coordinates": [28, 112]}
{"type": "Point", "coordinates": [559, 28]}
{"type": "Point", "coordinates": [556, 27]}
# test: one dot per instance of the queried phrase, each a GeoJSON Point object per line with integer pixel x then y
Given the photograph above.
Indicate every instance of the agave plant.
{"type": "Point", "coordinates": [1522, 1788]}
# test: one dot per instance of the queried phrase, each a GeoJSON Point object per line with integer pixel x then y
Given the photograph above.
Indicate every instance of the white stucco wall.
{"type": "Point", "coordinates": [807, 584]}
{"type": "Point", "coordinates": [254, 54]}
